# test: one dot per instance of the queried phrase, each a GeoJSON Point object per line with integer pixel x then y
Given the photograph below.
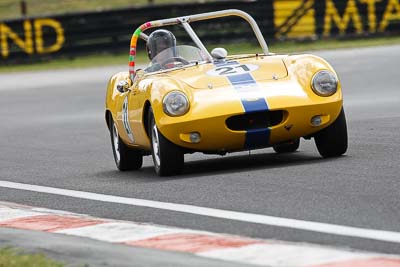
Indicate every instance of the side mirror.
{"type": "Point", "coordinates": [139, 74]}
{"type": "Point", "coordinates": [124, 85]}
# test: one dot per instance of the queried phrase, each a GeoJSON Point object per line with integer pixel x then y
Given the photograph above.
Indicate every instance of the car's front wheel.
{"type": "Point", "coordinates": [287, 147]}
{"type": "Point", "coordinates": [167, 157]}
{"type": "Point", "coordinates": [332, 141]}
{"type": "Point", "coordinates": [125, 158]}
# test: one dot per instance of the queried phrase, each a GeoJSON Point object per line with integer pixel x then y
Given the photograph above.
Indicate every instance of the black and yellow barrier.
{"type": "Point", "coordinates": [40, 38]}
{"type": "Point", "coordinates": [332, 18]}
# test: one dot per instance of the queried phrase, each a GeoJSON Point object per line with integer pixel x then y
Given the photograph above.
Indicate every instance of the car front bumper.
{"type": "Point", "coordinates": [217, 137]}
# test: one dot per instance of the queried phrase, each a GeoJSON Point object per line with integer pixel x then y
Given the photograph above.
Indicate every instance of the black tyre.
{"type": "Point", "coordinates": [287, 147]}
{"type": "Point", "coordinates": [168, 158]}
{"type": "Point", "coordinates": [332, 141]}
{"type": "Point", "coordinates": [125, 158]}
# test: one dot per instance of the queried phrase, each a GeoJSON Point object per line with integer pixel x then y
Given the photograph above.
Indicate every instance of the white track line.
{"type": "Point", "coordinates": [341, 230]}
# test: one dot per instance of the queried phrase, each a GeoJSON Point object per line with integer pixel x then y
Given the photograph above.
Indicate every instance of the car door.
{"type": "Point", "coordinates": [134, 113]}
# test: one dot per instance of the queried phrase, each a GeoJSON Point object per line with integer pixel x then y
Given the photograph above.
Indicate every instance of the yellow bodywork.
{"type": "Point", "coordinates": [284, 82]}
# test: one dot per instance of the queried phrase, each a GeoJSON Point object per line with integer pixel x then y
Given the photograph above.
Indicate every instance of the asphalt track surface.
{"type": "Point", "coordinates": [53, 134]}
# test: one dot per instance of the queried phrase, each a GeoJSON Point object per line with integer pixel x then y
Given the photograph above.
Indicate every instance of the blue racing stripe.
{"type": "Point", "coordinates": [242, 79]}
{"type": "Point", "coordinates": [254, 105]}
{"type": "Point", "coordinates": [257, 138]}
{"type": "Point", "coordinates": [244, 83]}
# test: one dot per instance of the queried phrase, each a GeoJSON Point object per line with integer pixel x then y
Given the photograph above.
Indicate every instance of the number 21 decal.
{"type": "Point", "coordinates": [229, 70]}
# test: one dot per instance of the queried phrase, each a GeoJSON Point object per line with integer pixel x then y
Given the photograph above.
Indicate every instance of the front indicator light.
{"type": "Point", "coordinates": [320, 120]}
{"type": "Point", "coordinates": [316, 121]}
{"type": "Point", "coordinates": [324, 83]}
{"type": "Point", "coordinates": [193, 137]}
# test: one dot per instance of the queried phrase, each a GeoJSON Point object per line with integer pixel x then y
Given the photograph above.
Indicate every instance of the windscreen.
{"type": "Point", "coordinates": [176, 57]}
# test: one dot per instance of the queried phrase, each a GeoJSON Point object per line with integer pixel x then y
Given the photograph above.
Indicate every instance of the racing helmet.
{"type": "Point", "coordinates": [158, 41]}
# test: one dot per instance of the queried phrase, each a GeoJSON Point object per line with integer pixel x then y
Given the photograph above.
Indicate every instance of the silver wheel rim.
{"type": "Point", "coordinates": [156, 145]}
{"type": "Point", "coordinates": [116, 143]}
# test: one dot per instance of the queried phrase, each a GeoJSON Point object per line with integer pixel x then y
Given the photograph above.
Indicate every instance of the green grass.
{"type": "Point", "coordinates": [10, 9]}
{"type": "Point", "coordinates": [10, 257]}
{"type": "Point", "coordinates": [289, 47]}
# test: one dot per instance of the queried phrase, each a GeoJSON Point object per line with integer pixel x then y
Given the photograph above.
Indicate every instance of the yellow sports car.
{"type": "Point", "coordinates": [191, 100]}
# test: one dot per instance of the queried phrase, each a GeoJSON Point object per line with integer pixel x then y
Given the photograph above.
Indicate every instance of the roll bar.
{"type": "Point", "coordinates": [185, 20]}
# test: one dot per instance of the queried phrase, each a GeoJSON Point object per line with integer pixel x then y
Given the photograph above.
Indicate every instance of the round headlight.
{"type": "Point", "coordinates": [324, 83]}
{"type": "Point", "coordinates": [175, 103]}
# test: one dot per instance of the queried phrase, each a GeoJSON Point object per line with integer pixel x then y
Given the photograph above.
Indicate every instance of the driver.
{"type": "Point", "coordinates": [158, 41]}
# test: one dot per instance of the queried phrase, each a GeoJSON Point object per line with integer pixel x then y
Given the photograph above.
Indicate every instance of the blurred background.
{"type": "Point", "coordinates": [10, 9]}
{"type": "Point", "coordinates": [43, 30]}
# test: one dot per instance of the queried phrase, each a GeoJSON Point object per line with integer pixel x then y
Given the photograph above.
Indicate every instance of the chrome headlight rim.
{"type": "Point", "coordinates": [319, 91]}
{"type": "Point", "coordinates": [167, 105]}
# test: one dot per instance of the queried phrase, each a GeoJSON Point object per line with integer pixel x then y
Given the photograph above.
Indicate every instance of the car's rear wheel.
{"type": "Point", "coordinates": [167, 157]}
{"type": "Point", "coordinates": [287, 147]}
{"type": "Point", "coordinates": [332, 141]}
{"type": "Point", "coordinates": [125, 158]}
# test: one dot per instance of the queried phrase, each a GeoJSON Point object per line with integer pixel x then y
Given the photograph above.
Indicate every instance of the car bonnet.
{"type": "Point", "coordinates": [226, 73]}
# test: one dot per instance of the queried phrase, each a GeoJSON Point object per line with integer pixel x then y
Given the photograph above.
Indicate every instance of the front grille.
{"type": "Point", "coordinates": [256, 120]}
